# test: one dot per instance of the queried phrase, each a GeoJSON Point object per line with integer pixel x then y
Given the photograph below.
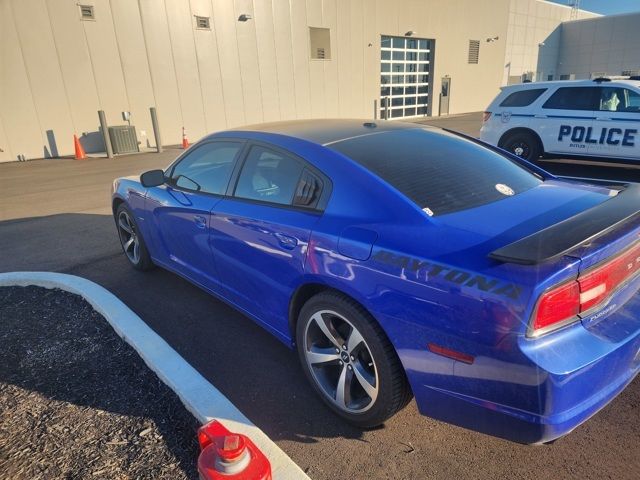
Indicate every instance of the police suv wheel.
{"type": "Point", "coordinates": [524, 145]}
{"type": "Point", "coordinates": [349, 361]}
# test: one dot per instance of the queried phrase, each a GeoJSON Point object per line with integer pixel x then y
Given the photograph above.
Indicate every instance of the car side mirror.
{"type": "Point", "coordinates": [152, 178]}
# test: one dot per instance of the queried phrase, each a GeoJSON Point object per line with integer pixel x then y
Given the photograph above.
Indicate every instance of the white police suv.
{"type": "Point", "coordinates": [594, 118]}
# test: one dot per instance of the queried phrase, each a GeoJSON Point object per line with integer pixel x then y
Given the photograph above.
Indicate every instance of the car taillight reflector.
{"type": "Point", "coordinates": [565, 302]}
{"type": "Point", "coordinates": [454, 354]}
{"type": "Point", "coordinates": [486, 116]}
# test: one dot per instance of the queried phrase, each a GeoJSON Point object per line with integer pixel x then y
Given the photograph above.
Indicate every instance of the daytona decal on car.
{"type": "Point", "coordinates": [455, 276]}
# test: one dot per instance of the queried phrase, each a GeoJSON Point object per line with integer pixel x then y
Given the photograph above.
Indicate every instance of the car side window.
{"type": "Point", "coordinates": [523, 98]}
{"type": "Point", "coordinates": [616, 99]}
{"type": "Point", "coordinates": [269, 176]}
{"type": "Point", "coordinates": [574, 98]}
{"type": "Point", "coordinates": [207, 168]}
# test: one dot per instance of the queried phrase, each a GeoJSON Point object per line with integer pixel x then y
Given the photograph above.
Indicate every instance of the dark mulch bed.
{"type": "Point", "coordinates": [77, 402]}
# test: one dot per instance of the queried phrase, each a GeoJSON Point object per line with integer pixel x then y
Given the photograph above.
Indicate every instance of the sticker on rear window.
{"type": "Point", "coordinates": [504, 189]}
{"type": "Point", "coordinates": [428, 211]}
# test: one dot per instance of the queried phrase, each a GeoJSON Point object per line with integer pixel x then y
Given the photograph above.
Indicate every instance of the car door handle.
{"type": "Point", "coordinates": [540, 116]}
{"type": "Point", "coordinates": [603, 119]}
{"type": "Point", "coordinates": [286, 241]}
{"type": "Point", "coordinates": [201, 222]}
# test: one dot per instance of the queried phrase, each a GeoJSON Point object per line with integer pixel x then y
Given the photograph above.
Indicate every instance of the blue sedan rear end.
{"type": "Point", "coordinates": [401, 260]}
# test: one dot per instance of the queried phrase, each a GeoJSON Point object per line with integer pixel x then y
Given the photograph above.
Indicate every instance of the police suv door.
{"type": "Point", "coordinates": [565, 122]}
{"type": "Point", "coordinates": [617, 123]}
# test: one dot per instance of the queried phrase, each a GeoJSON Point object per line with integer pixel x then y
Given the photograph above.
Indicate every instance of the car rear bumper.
{"type": "Point", "coordinates": [539, 402]}
{"type": "Point", "coordinates": [490, 133]}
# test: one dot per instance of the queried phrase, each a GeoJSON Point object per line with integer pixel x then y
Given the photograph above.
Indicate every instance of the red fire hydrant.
{"type": "Point", "coordinates": [229, 456]}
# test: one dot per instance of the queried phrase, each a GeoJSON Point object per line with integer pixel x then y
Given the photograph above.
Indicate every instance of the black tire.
{"type": "Point", "coordinates": [374, 353]}
{"type": "Point", "coordinates": [523, 144]}
{"type": "Point", "coordinates": [141, 260]}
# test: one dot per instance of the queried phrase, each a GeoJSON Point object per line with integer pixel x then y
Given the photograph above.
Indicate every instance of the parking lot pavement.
{"type": "Point", "coordinates": [55, 215]}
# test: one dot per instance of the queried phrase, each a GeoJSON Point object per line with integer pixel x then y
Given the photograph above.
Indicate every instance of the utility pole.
{"type": "Point", "coordinates": [575, 9]}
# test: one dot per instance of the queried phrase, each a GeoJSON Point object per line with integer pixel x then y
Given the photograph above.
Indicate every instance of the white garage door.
{"type": "Point", "coordinates": [405, 76]}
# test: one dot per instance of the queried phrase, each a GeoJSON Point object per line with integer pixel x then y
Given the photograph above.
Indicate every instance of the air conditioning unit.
{"type": "Point", "coordinates": [123, 139]}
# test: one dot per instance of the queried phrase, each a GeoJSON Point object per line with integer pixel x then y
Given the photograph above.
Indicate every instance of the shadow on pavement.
{"type": "Point", "coordinates": [259, 374]}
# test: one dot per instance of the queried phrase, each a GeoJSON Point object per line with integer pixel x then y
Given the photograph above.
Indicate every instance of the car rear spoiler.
{"type": "Point", "coordinates": [563, 237]}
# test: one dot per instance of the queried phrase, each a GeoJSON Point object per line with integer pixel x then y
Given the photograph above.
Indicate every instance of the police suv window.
{"type": "Point", "coordinates": [574, 98]}
{"type": "Point", "coordinates": [440, 172]}
{"type": "Point", "coordinates": [616, 99]}
{"type": "Point", "coordinates": [269, 176]}
{"type": "Point", "coordinates": [207, 168]}
{"type": "Point", "coordinates": [523, 98]}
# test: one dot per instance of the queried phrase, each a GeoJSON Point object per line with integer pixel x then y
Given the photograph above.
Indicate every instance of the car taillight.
{"type": "Point", "coordinates": [563, 304]}
{"type": "Point", "coordinates": [486, 116]}
{"type": "Point", "coordinates": [597, 284]}
{"type": "Point", "coordinates": [556, 306]}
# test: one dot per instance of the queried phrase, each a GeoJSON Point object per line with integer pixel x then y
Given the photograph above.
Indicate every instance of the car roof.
{"type": "Point", "coordinates": [328, 131]}
{"type": "Point", "coordinates": [572, 83]}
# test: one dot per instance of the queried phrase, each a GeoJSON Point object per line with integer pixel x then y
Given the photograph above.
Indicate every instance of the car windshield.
{"type": "Point", "coordinates": [441, 172]}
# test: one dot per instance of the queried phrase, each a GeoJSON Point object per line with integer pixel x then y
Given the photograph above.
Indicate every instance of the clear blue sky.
{"type": "Point", "coordinates": [607, 7]}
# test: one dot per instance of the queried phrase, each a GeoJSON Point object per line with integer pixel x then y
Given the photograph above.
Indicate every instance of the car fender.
{"type": "Point", "coordinates": [133, 194]}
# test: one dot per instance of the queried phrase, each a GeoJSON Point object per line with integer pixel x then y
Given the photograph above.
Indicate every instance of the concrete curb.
{"type": "Point", "coordinates": [201, 398]}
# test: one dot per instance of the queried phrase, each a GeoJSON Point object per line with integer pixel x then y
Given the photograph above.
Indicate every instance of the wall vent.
{"type": "Point", "coordinates": [202, 23]}
{"type": "Point", "coordinates": [86, 12]}
{"type": "Point", "coordinates": [320, 53]}
{"type": "Point", "coordinates": [474, 51]}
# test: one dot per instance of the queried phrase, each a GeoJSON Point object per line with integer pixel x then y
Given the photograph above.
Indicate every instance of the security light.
{"type": "Point", "coordinates": [244, 17]}
{"type": "Point", "coordinates": [410, 33]}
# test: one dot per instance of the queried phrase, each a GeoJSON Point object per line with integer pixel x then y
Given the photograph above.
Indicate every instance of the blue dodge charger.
{"type": "Point", "coordinates": [404, 260]}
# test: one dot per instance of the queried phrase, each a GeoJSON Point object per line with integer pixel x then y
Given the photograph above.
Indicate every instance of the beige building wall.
{"type": "Point", "coordinates": [533, 39]}
{"type": "Point", "coordinates": [57, 70]}
{"type": "Point", "coordinates": [608, 46]}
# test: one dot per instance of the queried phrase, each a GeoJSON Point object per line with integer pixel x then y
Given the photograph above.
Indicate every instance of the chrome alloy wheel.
{"type": "Point", "coordinates": [129, 237]}
{"type": "Point", "coordinates": [340, 362]}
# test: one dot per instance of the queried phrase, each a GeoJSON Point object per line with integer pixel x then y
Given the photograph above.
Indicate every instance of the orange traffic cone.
{"type": "Point", "coordinates": [80, 155]}
{"type": "Point", "coordinates": [185, 142]}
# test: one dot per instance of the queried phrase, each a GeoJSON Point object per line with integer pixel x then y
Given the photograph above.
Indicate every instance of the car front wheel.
{"type": "Point", "coordinates": [349, 360]}
{"type": "Point", "coordinates": [131, 240]}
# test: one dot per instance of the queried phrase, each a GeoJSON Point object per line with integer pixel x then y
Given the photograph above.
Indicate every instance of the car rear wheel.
{"type": "Point", "coordinates": [522, 144]}
{"type": "Point", "coordinates": [349, 360]}
{"type": "Point", "coordinates": [131, 240]}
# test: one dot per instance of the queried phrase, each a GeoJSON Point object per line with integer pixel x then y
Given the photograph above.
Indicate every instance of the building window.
{"type": "Point", "coordinates": [202, 23]}
{"type": "Point", "coordinates": [320, 43]}
{"type": "Point", "coordinates": [549, 78]}
{"type": "Point", "coordinates": [86, 12]}
{"type": "Point", "coordinates": [474, 51]}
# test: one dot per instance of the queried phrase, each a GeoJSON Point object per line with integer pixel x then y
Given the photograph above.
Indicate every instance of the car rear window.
{"type": "Point", "coordinates": [523, 98]}
{"type": "Point", "coordinates": [440, 172]}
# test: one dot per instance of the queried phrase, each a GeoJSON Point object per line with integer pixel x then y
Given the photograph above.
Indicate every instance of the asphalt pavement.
{"type": "Point", "coordinates": [55, 215]}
